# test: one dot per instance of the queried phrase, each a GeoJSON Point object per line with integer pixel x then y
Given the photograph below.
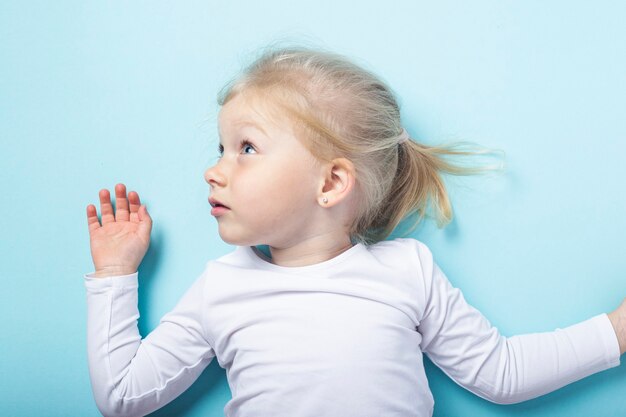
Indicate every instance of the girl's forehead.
{"type": "Point", "coordinates": [261, 115]}
{"type": "Point", "coordinates": [242, 121]}
{"type": "Point", "coordinates": [233, 111]}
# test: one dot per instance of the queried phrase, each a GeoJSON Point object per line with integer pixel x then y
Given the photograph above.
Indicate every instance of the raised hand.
{"type": "Point", "coordinates": [120, 243]}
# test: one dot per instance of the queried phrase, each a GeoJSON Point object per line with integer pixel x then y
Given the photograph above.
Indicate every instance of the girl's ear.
{"type": "Point", "coordinates": [339, 180]}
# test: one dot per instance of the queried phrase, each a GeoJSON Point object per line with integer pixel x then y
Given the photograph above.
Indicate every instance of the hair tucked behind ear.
{"type": "Point", "coordinates": [339, 109]}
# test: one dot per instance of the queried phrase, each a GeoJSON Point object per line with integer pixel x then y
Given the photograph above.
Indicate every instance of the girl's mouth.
{"type": "Point", "coordinates": [219, 209]}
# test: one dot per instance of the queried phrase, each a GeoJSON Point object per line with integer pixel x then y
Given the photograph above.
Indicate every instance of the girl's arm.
{"type": "Point", "coordinates": [130, 376]}
{"type": "Point", "coordinates": [460, 341]}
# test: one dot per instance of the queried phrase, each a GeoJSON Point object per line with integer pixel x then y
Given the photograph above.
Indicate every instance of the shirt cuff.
{"type": "Point", "coordinates": [113, 281]}
{"type": "Point", "coordinates": [597, 339]}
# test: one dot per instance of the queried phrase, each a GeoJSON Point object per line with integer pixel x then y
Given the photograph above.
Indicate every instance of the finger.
{"type": "Point", "coordinates": [121, 203]}
{"type": "Point", "coordinates": [133, 198]}
{"type": "Point", "coordinates": [105, 207]}
{"type": "Point", "coordinates": [92, 218]}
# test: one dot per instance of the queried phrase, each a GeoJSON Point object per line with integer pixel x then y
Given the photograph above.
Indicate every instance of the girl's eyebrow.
{"type": "Point", "coordinates": [251, 124]}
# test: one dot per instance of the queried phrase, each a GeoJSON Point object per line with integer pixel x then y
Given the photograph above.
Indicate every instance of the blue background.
{"type": "Point", "coordinates": [96, 93]}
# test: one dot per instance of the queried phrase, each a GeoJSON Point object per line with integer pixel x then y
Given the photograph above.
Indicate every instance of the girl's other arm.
{"type": "Point", "coordinates": [460, 341]}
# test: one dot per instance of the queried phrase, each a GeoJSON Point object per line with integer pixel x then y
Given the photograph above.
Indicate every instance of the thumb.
{"type": "Point", "coordinates": [145, 221]}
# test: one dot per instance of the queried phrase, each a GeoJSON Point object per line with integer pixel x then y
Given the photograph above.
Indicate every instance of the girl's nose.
{"type": "Point", "coordinates": [213, 176]}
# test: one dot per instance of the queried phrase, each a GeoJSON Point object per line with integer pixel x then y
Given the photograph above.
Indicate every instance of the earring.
{"type": "Point", "coordinates": [325, 200]}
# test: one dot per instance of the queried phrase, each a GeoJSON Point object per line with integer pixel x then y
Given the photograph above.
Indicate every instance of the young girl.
{"type": "Point", "coordinates": [314, 163]}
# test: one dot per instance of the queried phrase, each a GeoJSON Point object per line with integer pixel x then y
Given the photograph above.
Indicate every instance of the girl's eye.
{"type": "Point", "coordinates": [245, 144]}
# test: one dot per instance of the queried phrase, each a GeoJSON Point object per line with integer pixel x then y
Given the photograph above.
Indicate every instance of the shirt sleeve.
{"type": "Point", "coordinates": [133, 377]}
{"type": "Point", "coordinates": [466, 347]}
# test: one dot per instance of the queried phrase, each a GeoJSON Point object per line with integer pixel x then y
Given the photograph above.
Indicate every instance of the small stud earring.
{"type": "Point", "coordinates": [325, 200]}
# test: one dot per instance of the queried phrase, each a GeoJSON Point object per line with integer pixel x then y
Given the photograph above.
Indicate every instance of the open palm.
{"type": "Point", "coordinates": [118, 244]}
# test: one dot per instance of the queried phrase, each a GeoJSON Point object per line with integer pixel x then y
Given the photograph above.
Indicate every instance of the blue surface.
{"type": "Point", "coordinates": [95, 93]}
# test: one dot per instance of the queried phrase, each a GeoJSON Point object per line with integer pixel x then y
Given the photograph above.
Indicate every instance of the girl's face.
{"type": "Point", "coordinates": [265, 176]}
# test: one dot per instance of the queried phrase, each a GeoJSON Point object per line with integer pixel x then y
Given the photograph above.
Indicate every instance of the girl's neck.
{"type": "Point", "coordinates": [309, 252]}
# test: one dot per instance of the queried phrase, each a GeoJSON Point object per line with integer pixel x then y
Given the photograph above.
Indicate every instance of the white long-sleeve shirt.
{"type": "Point", "coordinates": [343, 337]}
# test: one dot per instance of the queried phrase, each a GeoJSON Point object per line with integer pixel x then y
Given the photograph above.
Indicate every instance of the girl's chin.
{"type": "Point", "coordinates": [235, 240]}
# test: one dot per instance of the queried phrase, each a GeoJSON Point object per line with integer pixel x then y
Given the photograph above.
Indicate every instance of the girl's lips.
{"type": "Point", "coordinates": [219, 210]}
{"type": "Point", "coordinates": [214, 202]}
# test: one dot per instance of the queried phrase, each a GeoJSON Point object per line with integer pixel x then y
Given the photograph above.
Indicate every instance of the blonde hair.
{"type": "Point", "coordinates": [342, 110]}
